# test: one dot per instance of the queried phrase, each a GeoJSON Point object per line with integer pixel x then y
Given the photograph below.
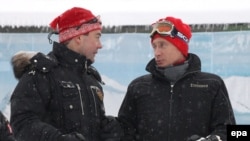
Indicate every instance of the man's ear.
{"type": "Point", "coordinates": [77, 39]}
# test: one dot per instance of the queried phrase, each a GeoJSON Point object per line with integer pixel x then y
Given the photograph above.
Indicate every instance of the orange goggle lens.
{"type": "Point", "coordinates": [163, 28]}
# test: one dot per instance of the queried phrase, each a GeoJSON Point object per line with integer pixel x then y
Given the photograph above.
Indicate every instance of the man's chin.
{"type": "Point", "coordinates": [92, 60]}
{"type": "Point", "coordinates": [160, 65]}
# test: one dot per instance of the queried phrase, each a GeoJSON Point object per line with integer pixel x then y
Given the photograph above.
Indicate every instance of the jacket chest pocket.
{"type": "Point", "coordinates": [72, 105]}
{"type": "Point", "coordinates": [69, 89]}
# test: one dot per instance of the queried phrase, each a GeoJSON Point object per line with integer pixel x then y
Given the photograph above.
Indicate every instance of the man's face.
{"type": "Point", "coordinates": [89, 44]}
{"type": "Point", "coordinates": [166, 54]}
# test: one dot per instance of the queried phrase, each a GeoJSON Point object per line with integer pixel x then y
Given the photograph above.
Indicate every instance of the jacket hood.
{"type": "Point", "coordinates": [21, 62]}
{"type": "Point", "coordinates": [24, 61]}
{"type": "Point", "coordinates": [31, 61]}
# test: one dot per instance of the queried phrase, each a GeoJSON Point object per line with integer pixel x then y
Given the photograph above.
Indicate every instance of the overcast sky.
{"type": "Point", "coordinates": [127, 12]}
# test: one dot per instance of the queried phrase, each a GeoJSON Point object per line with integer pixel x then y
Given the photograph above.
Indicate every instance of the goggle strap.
{"type": "Point", "coordinates": [174, 31]}
{"type": "Point", "coordinates": [180, 35]}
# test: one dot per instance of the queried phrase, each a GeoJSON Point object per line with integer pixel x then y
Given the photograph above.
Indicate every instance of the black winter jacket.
{"type": "Point", "coordinates": [58, 95]}
{"type": "Point", "coordinates": [155, 109]}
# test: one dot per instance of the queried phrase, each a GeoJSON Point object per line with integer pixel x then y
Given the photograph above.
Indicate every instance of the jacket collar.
{"type": "Point", "coordinates": [193, 61]}
{"type": "Point", "coordinates": [69, 58]}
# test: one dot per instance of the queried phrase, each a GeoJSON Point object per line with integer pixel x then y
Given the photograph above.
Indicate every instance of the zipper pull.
{"type": "Point", "coordinates": [86, 65]}
{"type": "Point", "coordinates": [172, 86]}
{"type": "Point", "coordinates": [80, 96]}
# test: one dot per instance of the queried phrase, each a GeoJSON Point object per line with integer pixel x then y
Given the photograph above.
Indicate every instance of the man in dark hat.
{"type": "Point", "coordinates": [59, 96]}
{"type": "Point", "coordinates": [176, 101]}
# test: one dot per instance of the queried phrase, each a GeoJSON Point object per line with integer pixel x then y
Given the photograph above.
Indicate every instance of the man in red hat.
{"type": "Point", "coordinates": [59, 97]}
{"type": "Point", "coordinates": [176, 101]}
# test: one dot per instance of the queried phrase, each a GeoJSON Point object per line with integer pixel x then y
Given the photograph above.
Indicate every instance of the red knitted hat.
{"type": "Point", "coordinates": [182, 28]}
{"type": "Point", "coordinates": [71, 23]}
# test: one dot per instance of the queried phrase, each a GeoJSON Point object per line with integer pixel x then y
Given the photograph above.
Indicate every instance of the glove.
{"type": "Point", "coordinates": [208, 138]}
{"type": "Point", "coordinates": [72, 137]}
{"type": "Point", "coordinates": [111, 129]}
{"type": "Point", "coordinates": [196, 138]}
{"type": "Point", "coordinates": [213, 138]}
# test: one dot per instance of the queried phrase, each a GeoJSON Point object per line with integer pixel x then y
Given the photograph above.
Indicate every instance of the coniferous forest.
{"type": "Point", "coordinates": [132, 28]}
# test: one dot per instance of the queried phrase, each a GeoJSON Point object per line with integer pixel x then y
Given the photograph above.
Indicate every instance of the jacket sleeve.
{"type": "Point", "coordinates": [6, 133]}
{"type": "Point", "coordinates": [127, 116]}
{"type": "Point", "coordinates": [28, 109]}
{"type": "Point", "coordinates": [222, 112]}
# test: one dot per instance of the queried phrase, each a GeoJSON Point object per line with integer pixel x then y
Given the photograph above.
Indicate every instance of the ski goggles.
{"type": "Point", "coordinates": [166, 28]}
{"type": "Point", "coordinates": [95, 20]}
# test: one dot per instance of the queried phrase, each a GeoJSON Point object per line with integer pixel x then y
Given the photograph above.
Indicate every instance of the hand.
{"type": "Point", "coordinates": [196, 138]}
{"type": "Point", "coordinates": [111, 129]}
{"type": "Point", "coordinates": [213, 138]}
{"type": "Point", "coordinates": [208, 138]}
{"type": "Point", "coordinates": [72, 137]}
